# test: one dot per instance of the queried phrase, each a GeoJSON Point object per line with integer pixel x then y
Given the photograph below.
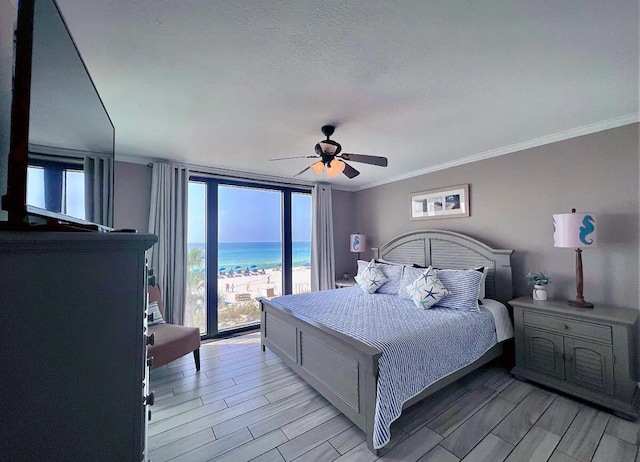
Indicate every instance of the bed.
{"type": "Point", "coordinates": [345, 368]}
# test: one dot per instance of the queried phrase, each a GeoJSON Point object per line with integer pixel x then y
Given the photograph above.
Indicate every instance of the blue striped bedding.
{"type": "Point", "coordinates": [418, 347]}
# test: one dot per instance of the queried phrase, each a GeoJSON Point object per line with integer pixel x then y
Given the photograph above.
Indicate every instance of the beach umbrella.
{"type": "Point", "coordinates": [253, 266]}
{"type": "Point", "coordinates": [220, 270]}
{"type": "Point", "coordinates": [238, 267]}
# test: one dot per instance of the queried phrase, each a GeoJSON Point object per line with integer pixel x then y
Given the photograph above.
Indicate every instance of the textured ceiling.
{"type": "Point", "coordinates": [233, 83]}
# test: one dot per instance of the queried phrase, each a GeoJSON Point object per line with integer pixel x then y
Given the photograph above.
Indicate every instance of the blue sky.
{"type": "Point", "coordinates": [248, 215]}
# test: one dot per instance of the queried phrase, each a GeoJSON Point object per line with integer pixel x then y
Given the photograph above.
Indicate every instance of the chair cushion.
{"type": "Point", "coordinates": [172, 342]}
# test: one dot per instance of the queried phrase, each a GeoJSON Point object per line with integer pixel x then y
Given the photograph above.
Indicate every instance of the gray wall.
{"type": "Point", "coordinates": [513, 198]}
{"type": "Point", "coordinates": [344, 222]}
{"type": "Point", "coordinates": [132, 190]}
{"type": "Point", "coordinates": [8, 14]}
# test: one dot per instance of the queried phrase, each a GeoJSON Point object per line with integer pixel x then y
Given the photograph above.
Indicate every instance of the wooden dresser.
{"type": "Point", "coordinates": [73, 348]}
{"type": "Point", "coordinates": [589, 353]}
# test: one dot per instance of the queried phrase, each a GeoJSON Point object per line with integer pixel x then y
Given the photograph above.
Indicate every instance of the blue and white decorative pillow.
{"type": "Point", "coordinates": [408, 276]}
{"type": "Point", "coordinates": [427, 290]}
{"type": "Point", "coordinates": [393, 273]}
{"type": "Point", "coordinates": [371, 278]}
{"type": "Point", "coordinates": [464, 288]}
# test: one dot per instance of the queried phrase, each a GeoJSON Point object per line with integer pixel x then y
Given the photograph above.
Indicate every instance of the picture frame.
{"type": "Point", "coordinates": [449, 202]}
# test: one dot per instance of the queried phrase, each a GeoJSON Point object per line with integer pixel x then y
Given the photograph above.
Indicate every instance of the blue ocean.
{"type": "Point", "coordinates": [262, 254]}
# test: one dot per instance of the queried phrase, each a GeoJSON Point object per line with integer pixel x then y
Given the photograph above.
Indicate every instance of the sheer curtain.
{"type": "Point", "coordinates": [98, 189]}
{"type": "Point", "coordinates": [168, 221]}
{"type": "Point", "coordinates": [322, 251]}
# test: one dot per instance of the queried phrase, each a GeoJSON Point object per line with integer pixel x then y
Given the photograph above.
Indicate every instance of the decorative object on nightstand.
{"type": "Point", "coordinates": [587, 353]}
{"type": "Point", "coordinates": [575, 230]}
{"type": "Point", "coordinates": [341, 283]}
{"type": "Point", "coordinates": [539, 281]}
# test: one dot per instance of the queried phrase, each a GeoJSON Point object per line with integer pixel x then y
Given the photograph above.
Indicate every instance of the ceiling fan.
{"type": "Point", "coordinates": [333, 159]}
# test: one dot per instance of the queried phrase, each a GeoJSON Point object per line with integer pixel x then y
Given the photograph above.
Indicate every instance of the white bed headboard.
{"type": "Point", "coordinates": [447, 249]}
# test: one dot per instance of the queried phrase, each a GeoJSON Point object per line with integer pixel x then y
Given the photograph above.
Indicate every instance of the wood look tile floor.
{"type": "Point", "coordinates": [246, 405]}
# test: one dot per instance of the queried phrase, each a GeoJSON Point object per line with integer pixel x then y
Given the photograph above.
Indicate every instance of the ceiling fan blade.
{"type": "Point", "coordinates": [365, 159]}
{"type": "Point", "coordinates": [302, 171]}
{"type": "Point", "coordinates": [296, 157]}
{"type": "Point", "coordinates": [349, 171]}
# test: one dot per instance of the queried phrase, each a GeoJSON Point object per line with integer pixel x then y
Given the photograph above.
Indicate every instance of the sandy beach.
{"type": "Point", "coordinates": [238, 288]}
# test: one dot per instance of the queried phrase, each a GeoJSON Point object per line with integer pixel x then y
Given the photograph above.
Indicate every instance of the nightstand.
{"type": "Point", "coordinates": [589, 353]}
{"type": "Point", "coordinates": [340, 283]}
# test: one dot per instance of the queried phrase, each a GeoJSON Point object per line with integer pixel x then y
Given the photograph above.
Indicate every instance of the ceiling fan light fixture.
{"type": "Point", "coordinates": [335, 168]}
{"type": "Point", "coordinates": [328, 148]}
{"type": "Point", "coordinates": [317, 167]}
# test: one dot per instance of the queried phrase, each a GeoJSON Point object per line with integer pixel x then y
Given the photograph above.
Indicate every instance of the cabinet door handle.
{"type": "Point", "coordinates": [150, 399]}
{"type": "Point", "coordinates": [150, 317]}
{"type": "Point", "coordinates": [568, 358]}
{"type": "Point", "coordinates": [150, 361]}
{"type": "Point", "coordinates": [151, 339]}
{"type": "Point", "coordinates": [565, 326]}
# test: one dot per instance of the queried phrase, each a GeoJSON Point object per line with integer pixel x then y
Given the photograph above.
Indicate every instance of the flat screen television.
{"type": "Point", "coordinates": [61, 159]}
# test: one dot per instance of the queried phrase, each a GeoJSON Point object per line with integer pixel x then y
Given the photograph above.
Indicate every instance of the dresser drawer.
{"type": "Point", "coordinates": [567, 326]}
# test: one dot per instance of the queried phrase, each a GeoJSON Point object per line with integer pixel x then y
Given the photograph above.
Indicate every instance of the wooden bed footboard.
{"type": "Point", "coordinates": [342, 369]}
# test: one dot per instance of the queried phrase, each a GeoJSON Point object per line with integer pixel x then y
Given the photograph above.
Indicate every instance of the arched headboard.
{"type": "Point", "coordinates": [448, 249]}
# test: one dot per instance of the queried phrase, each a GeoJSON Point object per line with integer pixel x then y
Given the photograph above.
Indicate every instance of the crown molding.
{"type": "Point", "coordinates": [535, 142]}
{"type": "Point", "coordinates": [214, 171]}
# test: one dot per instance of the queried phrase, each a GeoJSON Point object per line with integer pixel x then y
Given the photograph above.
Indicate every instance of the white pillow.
{"type": "Point", "coordinates": [427, 290]}
{"type": "Point", "coordinates": [484, 270]}
{"type": "Point", "coordinates": [370, 278]}
{"type": "Point", "coordinates": [152, 308]}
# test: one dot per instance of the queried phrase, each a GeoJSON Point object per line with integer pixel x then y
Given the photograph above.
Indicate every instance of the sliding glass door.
{"type": "Point", "coordinates": [245, 241]}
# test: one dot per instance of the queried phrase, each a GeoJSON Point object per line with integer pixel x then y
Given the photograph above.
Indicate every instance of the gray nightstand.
{"type": "Point", "coordinates": [340, 283]}
{"type": "Point", "coordinates": [590, 353]}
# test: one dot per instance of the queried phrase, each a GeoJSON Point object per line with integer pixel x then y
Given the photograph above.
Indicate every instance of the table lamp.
{"type": "Point", "coordinates": [357, 244]}
{"type": "Point", "coordinates": [575, 230]}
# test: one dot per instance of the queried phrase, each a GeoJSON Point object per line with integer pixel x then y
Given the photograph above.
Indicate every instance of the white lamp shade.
{"type": "Point", "coordinates": [358, 243]}
{"type": "Point", "coordinates": [575, 230]}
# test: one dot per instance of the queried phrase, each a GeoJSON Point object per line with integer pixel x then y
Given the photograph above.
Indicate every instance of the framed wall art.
{"type": "Point", "coordinates": [449, 202]}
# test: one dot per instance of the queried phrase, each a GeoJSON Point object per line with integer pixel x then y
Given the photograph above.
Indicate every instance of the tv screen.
{"type": "Point", "coordinates": [70, 136]}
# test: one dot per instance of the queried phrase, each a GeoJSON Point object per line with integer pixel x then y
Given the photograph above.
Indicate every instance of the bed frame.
{"type": "Point", "coordinates": [345, 370]}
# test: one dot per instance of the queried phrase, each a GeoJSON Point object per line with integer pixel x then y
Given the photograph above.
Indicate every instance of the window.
{"type": "Point", "coordinates": [245, 241]}
{"type": "Point", "coordinates": [56, 186]}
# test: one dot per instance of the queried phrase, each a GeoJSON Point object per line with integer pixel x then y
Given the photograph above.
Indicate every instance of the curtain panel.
{"type": "Point", "coordinates": [98, 189]}
{"type": "Point", "coordinates": [322, 249]}
{"type": "Point", "coordinates": [168, 221]}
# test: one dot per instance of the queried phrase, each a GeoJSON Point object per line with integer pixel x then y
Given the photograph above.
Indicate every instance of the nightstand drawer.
{"type": "Point", "coordinates": [568, 326]}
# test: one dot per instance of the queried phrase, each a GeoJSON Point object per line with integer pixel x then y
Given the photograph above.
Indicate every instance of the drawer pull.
{"type": "Point", "coordinates": [565, 326]}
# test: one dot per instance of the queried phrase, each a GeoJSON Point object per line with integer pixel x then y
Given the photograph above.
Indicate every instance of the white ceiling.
{"type": "Point", "coordinates": [231, 84]}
